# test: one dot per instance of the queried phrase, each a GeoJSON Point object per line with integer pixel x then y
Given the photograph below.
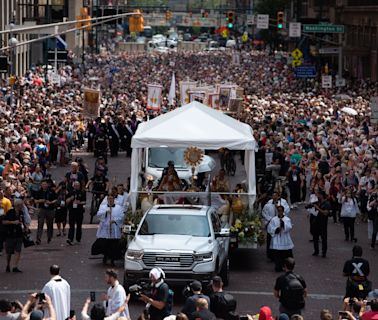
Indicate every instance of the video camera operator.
{"type": "Point", "coordinates": [157, 302]}
{"type": "Point", "coordinates": [222, 304]}
{"type": "Point", "coordinates": [194, 294]}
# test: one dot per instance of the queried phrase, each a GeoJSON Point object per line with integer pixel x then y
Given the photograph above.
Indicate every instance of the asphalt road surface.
{"type": "Point", "coordinates": [252, 276]}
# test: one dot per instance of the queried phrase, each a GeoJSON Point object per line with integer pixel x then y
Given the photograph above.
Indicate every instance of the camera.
{"type": "Point", "coordinates": [309, 206]}
{"type": "Point", "coordinates": [137, 289]}
{"type": "Point", "coordinates": [41, 297]}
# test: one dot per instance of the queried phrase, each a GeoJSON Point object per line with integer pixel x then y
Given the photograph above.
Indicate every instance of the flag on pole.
{"type": "Point", "coordinates": [154, 97]}
{"type": "Point", "coordinates": [172, 91]}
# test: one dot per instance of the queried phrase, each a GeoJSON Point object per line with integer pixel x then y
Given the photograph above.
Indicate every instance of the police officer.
{"type": "Point", "coordinates": [357, 270]}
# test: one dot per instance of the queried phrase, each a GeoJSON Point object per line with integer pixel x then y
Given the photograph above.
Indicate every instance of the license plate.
{"type": "Point", "coordinates": [167, 259]}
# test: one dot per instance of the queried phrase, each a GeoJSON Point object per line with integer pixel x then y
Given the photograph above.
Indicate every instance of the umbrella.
{"type": "Point", "coordinates": [342, 97]}
{"type": "Point", "coordinates": [207, 164]}
{"type": "Point", "coordinates": [349, 111]}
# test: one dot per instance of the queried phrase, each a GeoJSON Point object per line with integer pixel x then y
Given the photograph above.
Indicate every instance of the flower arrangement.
{"type": "Point", "coordinates": [133, 219]}
{"type": "Point", "coordinates": [248, 230]}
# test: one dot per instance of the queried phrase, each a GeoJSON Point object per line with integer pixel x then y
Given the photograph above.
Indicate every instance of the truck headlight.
{"type": "Point", "coordinates": [134, 254]}
{"type": "Point", "coordinates": [204, 257]}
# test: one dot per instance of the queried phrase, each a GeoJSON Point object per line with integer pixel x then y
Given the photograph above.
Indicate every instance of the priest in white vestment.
{"type": "Point", "coordinates": [59, 292]}
{"type": "Point", "coordinates": [281, 244]}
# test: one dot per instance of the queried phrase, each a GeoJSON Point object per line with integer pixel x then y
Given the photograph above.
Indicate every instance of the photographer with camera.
{"type": "Point", "coordinates": [10, 310]}
{"type": "Point", "coordinates": [373, 312]}
{"type": "Point", "coordinates": [357, 270]}
{"type": "Point", "coordinates": [194, 294]}
{"type": "Point", "coordinates": [158, 301]}
{"type": "Point", "coordinates": [40, 304]}
{"type": "Point", "coordinates": [319, 224]}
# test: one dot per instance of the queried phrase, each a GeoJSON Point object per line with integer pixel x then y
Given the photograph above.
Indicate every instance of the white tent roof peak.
{"type": "Point", "coordinates": [194, 124]}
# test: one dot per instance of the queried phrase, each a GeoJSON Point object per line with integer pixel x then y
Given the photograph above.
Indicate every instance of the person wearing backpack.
{"type": "Point", "coordinates": [159, 302]}
{"type": "Point", "coordinates": [190, 303]}
{"type": "Point", "coordinates": [222, 304]}
{"type": "Point", "coordinates": [290, 289]}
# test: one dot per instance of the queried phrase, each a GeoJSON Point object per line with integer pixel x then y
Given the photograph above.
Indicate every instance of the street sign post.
{"type": "Point", "coordinates": [305, 72]}
{"type": "Point", "coordinates": [263, 21]}
{"type": "Point", "coordinates": [329, 50]}
{"type": "Point", "coordinates": [324, 28]}
{"type": "Point", "coordinates": [295, 29]}
{"type": "Point", "coordinates": [340, 82]}
{"type": "Point", "coordinates": [326, 81]}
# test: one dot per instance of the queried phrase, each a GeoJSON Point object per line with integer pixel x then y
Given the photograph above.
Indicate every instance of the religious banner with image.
{"type": "Point", "coordinates": [154, 97]}
{"type": "Point", "coordinates": [213, 100]}
{"type": "Point", "coordinates": [185, 88]}
{"type": "Point", "coordinates": [91, 102]}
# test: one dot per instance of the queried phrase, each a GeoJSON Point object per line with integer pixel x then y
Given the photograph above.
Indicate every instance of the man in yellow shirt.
{"type": "Point", "coordinates": [5, 206]}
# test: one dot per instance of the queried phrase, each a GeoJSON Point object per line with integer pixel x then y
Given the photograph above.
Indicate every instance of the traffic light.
{"type": "Point", "coordinates": [230, 19]}
{"type": "Point", "coordinates": [132, 24]}
{"type": "Point", "coordinates": [139, 22]}
{"type": "Point", "coordinates": [83, 16]}
{"type": "Point", "coordinates": [280, 19]}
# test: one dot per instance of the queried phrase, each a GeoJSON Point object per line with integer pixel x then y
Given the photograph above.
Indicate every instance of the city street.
{"type": "Point", "coordinates": [252, 277]}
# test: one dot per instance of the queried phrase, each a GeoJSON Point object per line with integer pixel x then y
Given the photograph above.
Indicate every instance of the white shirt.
{"type": "Point", "coordinates": [116, 298]}
{"type": "Point", "coordinates": [106, 228]}
{"type": "Point", "coordinates": [59, 291]}
{"type": "Point", "coordinates": [282, 240]}
{"type": "Point", "coordinates": [268, 212]}
{"type": "Point", "coordinates": [284, 204]}
{"type": "Point", "coordinates": [349, 208]}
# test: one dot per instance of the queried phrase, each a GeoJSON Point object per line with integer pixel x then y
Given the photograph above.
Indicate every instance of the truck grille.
{"type": "Point", "coordinates": [167, 260]}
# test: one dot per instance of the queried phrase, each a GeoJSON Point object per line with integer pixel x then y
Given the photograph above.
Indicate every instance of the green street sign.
{"type": "Point", "coordinates": [324, 28]}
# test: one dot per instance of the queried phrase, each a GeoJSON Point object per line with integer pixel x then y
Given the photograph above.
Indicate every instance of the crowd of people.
{"type": "Point", "coordinates": [326, 155]}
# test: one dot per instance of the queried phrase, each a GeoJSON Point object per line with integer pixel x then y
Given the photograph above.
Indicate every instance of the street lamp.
{"type": "Point", "coordinates": [13, 42]}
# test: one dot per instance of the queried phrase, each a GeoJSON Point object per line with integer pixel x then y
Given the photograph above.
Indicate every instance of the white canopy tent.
{"type": "Point", "coordinates": [194, 124]}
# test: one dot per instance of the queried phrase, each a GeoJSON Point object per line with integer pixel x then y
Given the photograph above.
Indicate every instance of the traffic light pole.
{"type": "Point", "coordinates": [340, 63]}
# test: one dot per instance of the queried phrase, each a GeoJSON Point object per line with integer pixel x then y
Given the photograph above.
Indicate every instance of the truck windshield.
{"type": "Point", "coordinates": [159, 157]}
{"type": "Point", "coordinates": [175, 224]}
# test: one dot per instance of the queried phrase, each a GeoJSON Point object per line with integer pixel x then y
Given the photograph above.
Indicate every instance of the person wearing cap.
{"type": "Point", "coordinates": [158, 299]}
{"type": "Point", "coordinates": [38, 312]}
{"type": "Point", "coordinates": [190, 303]}
{"type": "Point", "coordinates": [59, 292]}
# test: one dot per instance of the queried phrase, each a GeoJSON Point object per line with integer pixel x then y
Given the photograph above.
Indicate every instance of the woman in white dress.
{"type": "Point", "coordinates": [109, 231]}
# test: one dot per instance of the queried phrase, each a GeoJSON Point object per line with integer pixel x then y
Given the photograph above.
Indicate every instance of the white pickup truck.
{"type": "Point", "coordinates": [187, 242]}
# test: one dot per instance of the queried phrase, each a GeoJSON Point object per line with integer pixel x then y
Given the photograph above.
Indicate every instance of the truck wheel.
{"type": "Point", "coordinates": [225, 272]}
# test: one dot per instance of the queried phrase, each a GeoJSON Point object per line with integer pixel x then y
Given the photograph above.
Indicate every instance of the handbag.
{"type": "Point", "coordinates": [27, 240]}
